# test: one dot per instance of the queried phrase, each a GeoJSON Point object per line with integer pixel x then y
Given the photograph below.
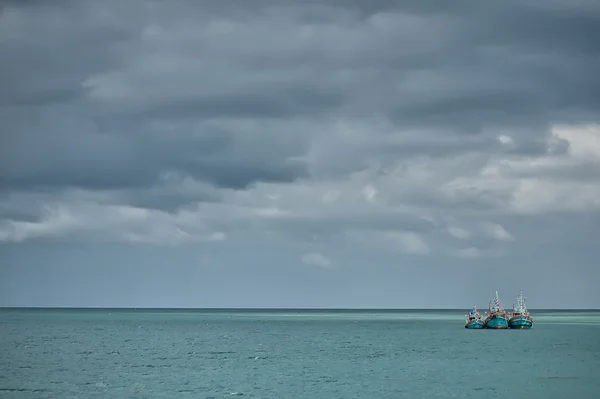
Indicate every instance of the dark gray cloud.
{"type": "Point", "coordinates": [459, 69]}
{"type": "Point", "coordinates": [339, 130]}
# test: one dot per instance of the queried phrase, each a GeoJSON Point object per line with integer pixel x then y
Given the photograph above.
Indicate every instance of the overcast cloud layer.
{"type": "Point", "coordinates": [299, 153]}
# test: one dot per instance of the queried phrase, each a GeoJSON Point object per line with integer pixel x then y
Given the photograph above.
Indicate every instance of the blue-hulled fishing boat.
{"type": "Point", "coordinates": [496, 316]}
{"type": "Point", "coordinates": [473, 320]}
{"type": "Point", "coordinates": [520, 317]}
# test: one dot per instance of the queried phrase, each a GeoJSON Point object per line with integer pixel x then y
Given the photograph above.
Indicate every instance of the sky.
{"type": "Point", "coordinates": [278, 153]}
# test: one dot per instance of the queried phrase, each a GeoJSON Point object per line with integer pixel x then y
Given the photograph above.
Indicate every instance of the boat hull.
{"type": "Point", "coordinates": [496, 322]}
{"type": "Point", "coordinates": [475, 324]}
{"type": "Point", "coordinates": [520, 322]}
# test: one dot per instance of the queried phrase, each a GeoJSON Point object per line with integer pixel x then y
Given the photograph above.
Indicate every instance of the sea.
{"type": "Point", "coordinates": [286, 353]}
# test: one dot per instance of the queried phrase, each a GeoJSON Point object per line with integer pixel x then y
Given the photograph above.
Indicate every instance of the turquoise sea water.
{"type": "Point", "coordinates": [77, 353]}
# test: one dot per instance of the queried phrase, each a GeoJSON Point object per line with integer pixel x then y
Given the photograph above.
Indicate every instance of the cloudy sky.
{"type": "Point", "coordinates": [306, 153]}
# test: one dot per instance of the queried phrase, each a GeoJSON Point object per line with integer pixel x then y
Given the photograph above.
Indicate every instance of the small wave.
{"type": "Point", "coordinates": [41, 390]}
{"type": "Point", "coordinates": [325, 378]}
{"type": "Point", "coordinates": [559, 377]}
{"type": "Point", "coordinates": [97, 384]}
{"type": "Point", "coordinates": [375, 355]}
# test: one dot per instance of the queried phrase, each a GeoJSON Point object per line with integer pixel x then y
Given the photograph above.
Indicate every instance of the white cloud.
{"type": "Point", "coordinates": [431, 188]}
{"type": "Point", "coordinates": [331, 196]}
{"type": "Point", "coordinates": [532, 184]}
{"type": "Point", "coordinates": [506, 140]}
{"type": "Point", "coordinates": [497, 232]}
{"type": "Point", "coordinates": [217, 236]}
{"type": "Point", "coordinates": [405, 241]}
{"type": "Point", "coordinates": [459, 233]}
{"type": "Point", "coordinates": [410, 242]}
{"type": "Point", "coordinates": [57, 222]}
{"type": "Point", "coordinates": [113, 223]}
{"type": "Point", "coordinates": [271, 212]}
{"type": "Point", "coordinates": [584, 140]}
{"type": "Point", "coordinates": [468, 253]}
{"type": "Point", "coordinates": [316, 259]}
{"type": "Point", "coordinates": [369, 192]}
{"type": "Point", "coordinates": [538, 196]}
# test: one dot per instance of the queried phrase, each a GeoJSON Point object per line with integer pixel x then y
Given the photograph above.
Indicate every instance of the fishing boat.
{"type": "Point", "coordinates": [473, 320]}
{"type": "Point", "coordinates": [520, 317]}
{"type": "Point", "coordinates": [496, 316]}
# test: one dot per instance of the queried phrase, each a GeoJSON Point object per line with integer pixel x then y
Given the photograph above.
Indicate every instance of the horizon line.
{"type": "Point", "coordinates": [262, 308]}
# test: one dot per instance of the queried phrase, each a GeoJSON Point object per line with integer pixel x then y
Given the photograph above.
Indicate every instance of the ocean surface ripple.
{"type": "Point", "coordinates": [75, 353]}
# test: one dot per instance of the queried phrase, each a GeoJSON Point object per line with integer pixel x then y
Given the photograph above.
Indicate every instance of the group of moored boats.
{"type": "Point", "coordinates": [498, 318]}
